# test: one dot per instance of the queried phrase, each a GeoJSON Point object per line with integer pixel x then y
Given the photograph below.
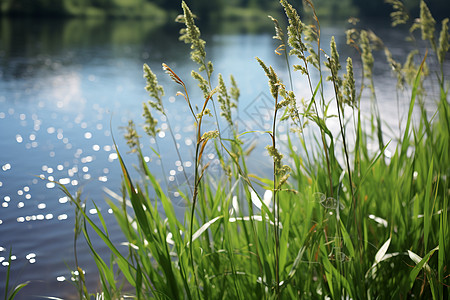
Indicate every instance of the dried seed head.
{"type": "Point", "coordinates": [172, 74]}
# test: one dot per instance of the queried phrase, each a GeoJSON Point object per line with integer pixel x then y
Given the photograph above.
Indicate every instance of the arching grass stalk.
{"type": "Point", "coordinates": [201, 141]}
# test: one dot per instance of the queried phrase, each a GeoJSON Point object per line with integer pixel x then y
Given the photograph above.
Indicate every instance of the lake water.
{"type": "Point", "coordinates": [67, 86]}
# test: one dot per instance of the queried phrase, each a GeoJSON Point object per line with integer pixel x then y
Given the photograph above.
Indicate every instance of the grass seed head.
{"type": "Point", "coordinates": [155, 90]}
{"type": "Point", "coordinates": [366, 55]}
{"type": "Point", "coordinates": [150, 122]}
{"type": "Point", "coordinates": [443, 41]}
{"type": "Point", "coordinates": [349, 85]}
{"type": "Point", "coordinates": [427, 22]}
{"type": "Point", "coordinates": [225, 101]}
{"type": "Point", "coordinates": [132, 137]}
{"type": "Point", "coordinates": [399, 15]}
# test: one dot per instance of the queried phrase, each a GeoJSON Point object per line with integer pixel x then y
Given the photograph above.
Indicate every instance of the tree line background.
{"type": "Point", "coordinates": [207, 9]}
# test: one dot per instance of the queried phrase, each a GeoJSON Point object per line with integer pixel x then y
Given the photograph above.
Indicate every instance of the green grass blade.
{"type": "Point", "coordinates": [123, 263]}
{"type": "Point", "coordinates": [416, 85]}
{"type": "Point", "coordinates": [103, 269]}
{"type": "Point", "coordinates": [443, 236]}
{"type": "Point", "coordinates": [17, 289]}
{"type": "Point", "coordinates": [8, 270]}
{"type": "Point", "coordinates": [427, 214]}
{"type": "Point", "coordinates": [347, 240]}
{"type": "Point", "coordinates": [421, 263]}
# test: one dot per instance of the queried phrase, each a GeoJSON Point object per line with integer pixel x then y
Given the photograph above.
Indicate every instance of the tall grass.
{"type": "Point", "coordinates": [339, 221]}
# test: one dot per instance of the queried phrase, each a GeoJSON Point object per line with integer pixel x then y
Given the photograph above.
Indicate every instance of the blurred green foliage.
{"type": "Point", "coordinates": [209, 10]}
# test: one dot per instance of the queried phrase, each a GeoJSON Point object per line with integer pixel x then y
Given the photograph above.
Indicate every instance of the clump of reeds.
{"type": "Point", "coordinates": [369, 225]}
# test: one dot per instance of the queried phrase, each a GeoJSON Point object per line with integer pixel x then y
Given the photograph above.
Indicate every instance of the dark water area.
{"type": "Point", "coordinates": [68, 86]}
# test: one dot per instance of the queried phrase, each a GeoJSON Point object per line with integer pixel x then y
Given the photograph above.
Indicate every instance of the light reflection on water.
{"type": "Point", "coordinates": [60, 104]}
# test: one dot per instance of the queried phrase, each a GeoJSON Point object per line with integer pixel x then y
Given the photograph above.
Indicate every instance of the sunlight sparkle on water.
{"type": "Point", "coordinates": [6, 167]}
{"type": "Point", "coordinates": [62, 217]}
{"type": "Point", "coordinates": [112, 157]}
{"type": "Point", "coordinates": [64, 181]}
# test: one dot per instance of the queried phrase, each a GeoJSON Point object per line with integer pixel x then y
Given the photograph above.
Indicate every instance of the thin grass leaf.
{"type": "Point", "coordinates": [427, 203]}
{"type": "Point", "coordinates": [8, 272]}
{"type": "Point", "coordinates": [102, 267]}
{"type": "Point", "coordinates": [202, 229]}
{"type": "Point", "coordinates": [415, 89]}
{"type": "Point", "coordinates": [284, 241]}
{"type": "Point", "coordinates": [347, 240]}
{"type": "Point", "coordinates": [421, 263]}
{"type": "Point", "coordinates": [17, 289]}
{"type": "Point", "coordinates": [443, 236]}
{"type": "Point", "coordinates": [382, 251]}
{"type": "Point", "coordinates": [379, 257]}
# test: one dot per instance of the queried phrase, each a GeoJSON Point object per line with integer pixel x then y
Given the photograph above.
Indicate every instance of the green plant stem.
{"type": "Point", "coordinates": [277, 207]}
{"type": "Point", "coordinates": [341, 125]}
{"type": "Point", "coordinates": [322, 133]}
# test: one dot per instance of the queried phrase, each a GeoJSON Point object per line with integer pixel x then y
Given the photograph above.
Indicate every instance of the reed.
{"type": "Point", "coordinates": [338, 221]}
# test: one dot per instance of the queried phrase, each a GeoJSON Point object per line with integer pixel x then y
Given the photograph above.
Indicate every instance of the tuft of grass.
{"type": "Point", "coordinates": [334, 220]}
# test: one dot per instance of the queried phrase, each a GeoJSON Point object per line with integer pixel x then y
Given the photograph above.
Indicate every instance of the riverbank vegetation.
{"type": "Point", "coordinates": [340, 217]}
